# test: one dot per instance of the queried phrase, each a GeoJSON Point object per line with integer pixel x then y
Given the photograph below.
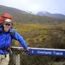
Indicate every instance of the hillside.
{"type": "Point", "coordinates": [47, 36]}
{"type": "Point", "coordinates": [43, 13]}
{"type": "Point", "coordinates": [24, 17]}
{"type": "Point", "coordinates": [16, 13]}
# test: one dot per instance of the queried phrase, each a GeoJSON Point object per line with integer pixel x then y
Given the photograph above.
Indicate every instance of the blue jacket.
{"type": "Point", "coordinates": [6, 39]}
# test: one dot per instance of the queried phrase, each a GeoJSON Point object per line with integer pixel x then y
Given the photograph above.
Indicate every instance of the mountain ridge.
{"type": "Point", "coordinates": [26, 17]}
{"type": "Point", "coordinates": [55, 15]}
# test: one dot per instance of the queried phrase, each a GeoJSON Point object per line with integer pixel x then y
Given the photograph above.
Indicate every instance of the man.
{"type": "Point", "coordinates": [5, 41]}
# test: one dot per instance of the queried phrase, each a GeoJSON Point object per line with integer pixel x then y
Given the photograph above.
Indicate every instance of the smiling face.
{"type": "Point", "coordinates": [7, 26]}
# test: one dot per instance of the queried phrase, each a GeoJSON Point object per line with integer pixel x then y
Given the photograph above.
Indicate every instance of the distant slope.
{"type": "Point", "coordinates": [24, 17]}
{"type": "Point", "coordinates": [13, 11]}
{"type": "Point", "coordinates": [43, 13]}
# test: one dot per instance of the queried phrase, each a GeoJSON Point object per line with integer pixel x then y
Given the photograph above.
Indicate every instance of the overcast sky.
{"type": "Point", "coordinates": [52, 6]}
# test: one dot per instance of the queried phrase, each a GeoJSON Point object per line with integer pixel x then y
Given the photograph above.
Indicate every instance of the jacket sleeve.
{"type": "Point", "coordinates": [20, 39]}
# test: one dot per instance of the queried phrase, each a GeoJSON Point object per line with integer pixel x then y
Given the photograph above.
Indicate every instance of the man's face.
{"type": "Point", "coordinates": [7, 26]}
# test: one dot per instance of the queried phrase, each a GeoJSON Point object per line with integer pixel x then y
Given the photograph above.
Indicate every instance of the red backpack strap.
{"type": "Point", "coordinates": [1, 20]}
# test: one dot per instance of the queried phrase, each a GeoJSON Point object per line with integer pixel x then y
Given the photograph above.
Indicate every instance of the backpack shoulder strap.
{"type": "Point", "coordinates": [12, 32]}
{"type": "Point", "coordinates": [1, 28]}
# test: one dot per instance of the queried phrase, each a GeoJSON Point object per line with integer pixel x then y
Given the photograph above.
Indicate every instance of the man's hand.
{"type": "Point", "coordinates": [28, 48]}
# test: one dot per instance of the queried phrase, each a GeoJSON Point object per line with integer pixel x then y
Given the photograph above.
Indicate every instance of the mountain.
{"type": "Point", "coordinates": [28, 17]}
{"type": "Point", "coordinates": [30, 12]}
{"type": "Point", "coordinates": [16, 13]}
{"type": "Point", "coordinates": [43, 13]}
{"type": "Point", "coordinates": [10, 10]}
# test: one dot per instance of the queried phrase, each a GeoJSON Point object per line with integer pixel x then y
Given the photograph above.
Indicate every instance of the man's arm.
{"type": "Point", "coordinates": [18, 37]}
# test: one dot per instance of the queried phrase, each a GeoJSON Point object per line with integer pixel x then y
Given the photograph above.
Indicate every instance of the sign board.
{"type": "Point", "coordinates": [44, 51]}
{"type": "Point", "coordinates": [47, 51]}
